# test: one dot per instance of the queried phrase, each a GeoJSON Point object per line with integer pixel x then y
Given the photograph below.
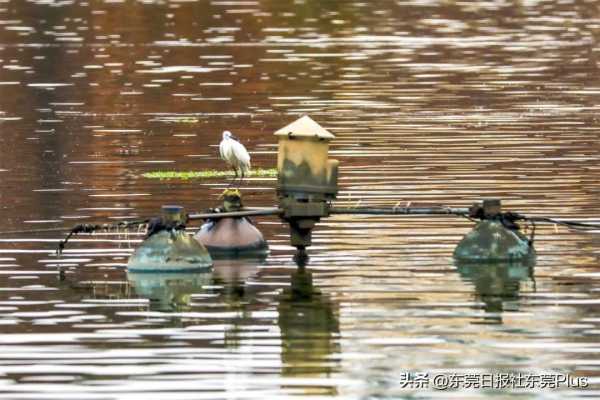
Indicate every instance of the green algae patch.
{"type": "Point", "coordinates": [209, 173]}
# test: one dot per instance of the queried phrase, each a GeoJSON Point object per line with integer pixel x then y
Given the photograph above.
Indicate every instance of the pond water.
{"type": "Point", "coordinates": [432, 103]}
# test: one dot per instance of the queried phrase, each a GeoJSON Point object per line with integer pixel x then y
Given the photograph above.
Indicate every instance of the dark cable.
{"type": "Point", "coordinates": [90, 228]}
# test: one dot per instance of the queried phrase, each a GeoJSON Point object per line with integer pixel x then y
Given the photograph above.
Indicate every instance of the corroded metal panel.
{"type": "Point", "coordinates": [491, 241]}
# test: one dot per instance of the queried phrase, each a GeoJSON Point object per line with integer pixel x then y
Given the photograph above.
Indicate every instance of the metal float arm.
{"type": "Point", "coordinates": [247, 212]}
{"type": "Point", "coordinates": [401, 211]}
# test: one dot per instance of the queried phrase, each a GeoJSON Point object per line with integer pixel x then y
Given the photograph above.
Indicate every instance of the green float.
{"type": "Point", "coordinates": [494, 239]}
{"type": "Point", "coordinates": [168, 248]}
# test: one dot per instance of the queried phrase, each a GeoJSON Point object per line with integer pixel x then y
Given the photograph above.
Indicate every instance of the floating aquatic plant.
{"type": "Point", "coordinates": [177, 119]}
{"type": "Point", "coordinates": [209, 173]}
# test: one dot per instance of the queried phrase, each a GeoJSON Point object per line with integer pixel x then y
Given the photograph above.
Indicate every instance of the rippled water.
{"type": "Point", "coordinates": [432, 102]}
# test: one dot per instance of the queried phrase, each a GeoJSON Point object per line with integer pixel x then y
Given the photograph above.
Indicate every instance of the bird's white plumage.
{"type": "Point", "coordinates": [235, 154]}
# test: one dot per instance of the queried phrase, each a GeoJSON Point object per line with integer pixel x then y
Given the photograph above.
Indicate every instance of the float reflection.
{"type": "Point", "coordinates": [497, 285]}
{"type": "Point", "coordinates": [169, 291]}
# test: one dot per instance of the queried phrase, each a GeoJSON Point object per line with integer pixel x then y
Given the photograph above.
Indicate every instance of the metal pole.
{"type": "Point", "coordinates": [401, 211]}
{"type": "Point", "coordinates": [236, 214]}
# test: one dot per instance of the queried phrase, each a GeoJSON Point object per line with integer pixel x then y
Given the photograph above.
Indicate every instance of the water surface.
{"type": "Point", "coordinates": [431, 102]}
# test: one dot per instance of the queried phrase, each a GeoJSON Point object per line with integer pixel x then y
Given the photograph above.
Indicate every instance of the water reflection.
{"type": "Point", "coordinates": [175, 291]}
{"type": "Point", "coordinates": [497, 285]}
{"type": "Point", "coordinates": [233, 276]}
{"type": "Point", "coordinates": [169, 291]}
{"type": "Point", "coordinates": [431, 102]}
{"type": "Point", "coordinates": [309, 326]}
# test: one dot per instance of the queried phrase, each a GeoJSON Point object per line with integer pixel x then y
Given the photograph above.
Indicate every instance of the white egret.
{"type": "Point", "coordinates": [235, 154]}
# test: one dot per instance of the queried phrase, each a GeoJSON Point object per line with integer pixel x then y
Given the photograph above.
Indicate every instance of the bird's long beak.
{"type": "Point", "coordinates": [234, 138]}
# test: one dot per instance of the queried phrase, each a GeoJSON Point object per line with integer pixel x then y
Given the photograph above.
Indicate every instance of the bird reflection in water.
{"type": "Point", "coordinates": [309, 326]}
{"type": "Point", "coordinates": [497, 285]}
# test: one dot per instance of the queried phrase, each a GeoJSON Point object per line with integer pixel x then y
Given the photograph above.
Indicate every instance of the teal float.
{"type": "Point", "coordinates": [168, 248]}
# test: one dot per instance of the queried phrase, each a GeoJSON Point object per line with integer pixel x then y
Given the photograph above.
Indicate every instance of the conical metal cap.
{"type": "Point", "coordinates": [305, 127]}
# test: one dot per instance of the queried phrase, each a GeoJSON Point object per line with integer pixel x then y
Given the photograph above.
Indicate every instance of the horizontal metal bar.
{"type": "Point", "coordinates": [338, 210]}
{"type": "Point", "coordinates": [401, 211]}
{"type": "Point", "coordinates": [41, 230]}
{"type": "Point", "coordinates": [254, 212]}
{"type": "Point", "coordinates": [237, 214]}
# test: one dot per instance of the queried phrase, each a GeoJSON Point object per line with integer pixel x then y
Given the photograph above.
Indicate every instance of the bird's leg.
{"type": "Point", "coordinates": [238, 177]}
{"type": "Point", "coordinates": [232, 180]}
{"type": "Point", "coordinates": [242, 178]}
{"type": "Point", "coordinates": [235, 170]}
